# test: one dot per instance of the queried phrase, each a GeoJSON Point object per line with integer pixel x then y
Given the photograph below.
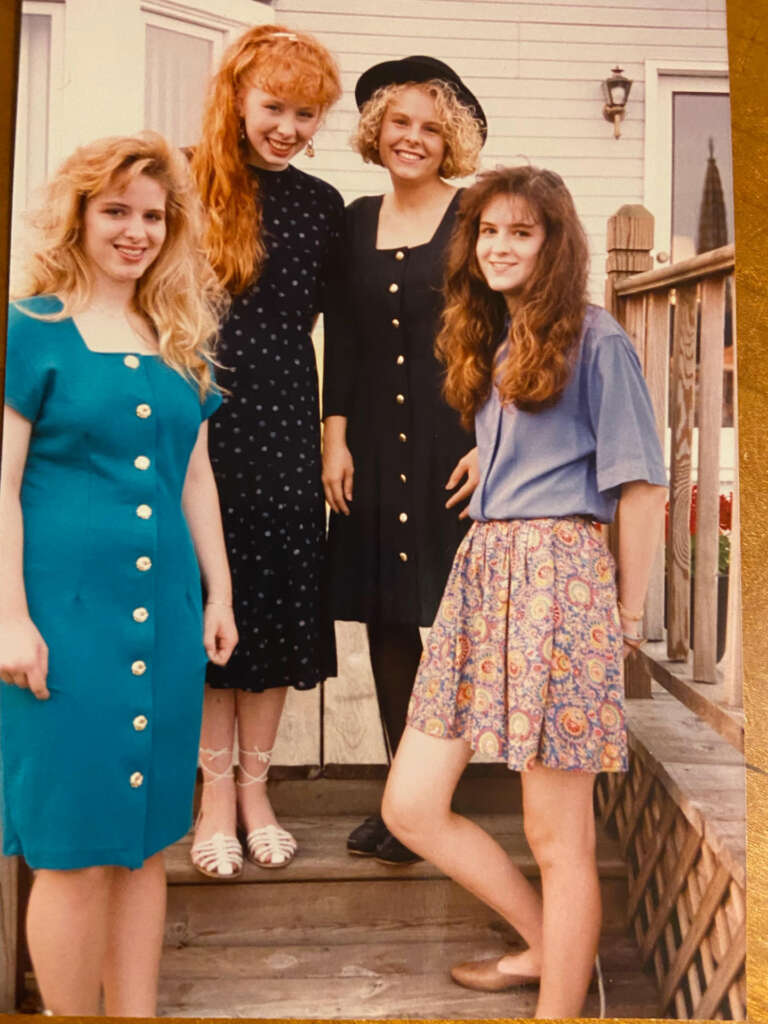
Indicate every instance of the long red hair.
{"type": "Point", "coordinates": [291, 65]}
{"type": "Point", "coordinates": [546, 323]}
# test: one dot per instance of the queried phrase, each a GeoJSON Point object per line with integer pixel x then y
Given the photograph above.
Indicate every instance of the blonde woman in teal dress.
{"type": "Point", "coordinates": [108, 520]}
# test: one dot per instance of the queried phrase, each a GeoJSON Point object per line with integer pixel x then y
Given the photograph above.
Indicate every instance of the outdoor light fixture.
{"type": "Point", "coordinates": [616, 92]}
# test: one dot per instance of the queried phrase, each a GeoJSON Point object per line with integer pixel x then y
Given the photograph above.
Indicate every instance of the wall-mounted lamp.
{"type": "Point", "coordinates": [616, 92]}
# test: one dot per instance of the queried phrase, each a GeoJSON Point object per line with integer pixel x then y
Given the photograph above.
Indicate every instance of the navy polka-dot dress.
{"type": "Point", "coordinates": [265, 443]}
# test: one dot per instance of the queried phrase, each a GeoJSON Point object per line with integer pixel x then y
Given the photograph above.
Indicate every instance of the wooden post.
{"type": "Point", "coordinates": [681, 396]}
{"type": "Point", "coordinates": [628, 245]}
{"type": "Point", "coordinates": [629, 241]}
{"type": "Point", "coordinates": [10, 28]}
{"type": "Point", "coordinates": [710, 415]}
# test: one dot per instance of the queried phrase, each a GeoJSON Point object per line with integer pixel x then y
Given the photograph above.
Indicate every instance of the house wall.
{"type": "Point", "coordinates": [537, 68]}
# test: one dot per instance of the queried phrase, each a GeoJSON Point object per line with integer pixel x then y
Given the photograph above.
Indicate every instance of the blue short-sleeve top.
{"type": "Point", "coordinates": [572, 458]}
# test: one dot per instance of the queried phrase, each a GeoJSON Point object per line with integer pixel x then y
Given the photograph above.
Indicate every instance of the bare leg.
{"type": "Point", "coordinates": [217, 736]}
{"type": "Point", "coordinates": [560, 828]}
{"type": "Point", "coordinates": [258, 718]}
{"type": "Point", "coordinates": [136, 920]}
{"type": "Point", "coordinates": [417, 809]}
{"type": "Point", "coordinates": [67, 923]}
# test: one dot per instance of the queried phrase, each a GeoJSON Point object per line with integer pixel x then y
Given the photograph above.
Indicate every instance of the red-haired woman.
{"type": "Point", "coordinates": [273, 236]}
{"type": "Point", "coordinates": [391, 536]}
{"type": "Point", "coordinates": [524, 660]}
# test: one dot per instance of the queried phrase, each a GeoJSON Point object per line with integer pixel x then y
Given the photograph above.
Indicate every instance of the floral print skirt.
{"type": "Point", "coordinates": [524, 660]}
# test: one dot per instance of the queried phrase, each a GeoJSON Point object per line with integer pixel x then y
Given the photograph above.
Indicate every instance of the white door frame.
{"type": "Point", "coordinates": [662, 80]}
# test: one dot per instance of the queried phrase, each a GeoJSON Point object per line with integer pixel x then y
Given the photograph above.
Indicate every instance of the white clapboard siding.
{"type": "Point", "coordinates": [537, 68]}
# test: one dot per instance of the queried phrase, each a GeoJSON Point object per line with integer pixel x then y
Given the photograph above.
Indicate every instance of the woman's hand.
{"type": "Point", "coordinates": [338, 467]}
{"type": "Point", "coordinates": [24, 656]}
{"type": "Point", "coordinates": [219, 632]}
{"type": "Point", "coordinates": [466, 466]}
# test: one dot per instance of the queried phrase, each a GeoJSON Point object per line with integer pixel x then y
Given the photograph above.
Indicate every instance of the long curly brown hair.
{"type": "Point", "coordinates": [288, 64]}
{"type": "Point", "coordinates": [546, 324]}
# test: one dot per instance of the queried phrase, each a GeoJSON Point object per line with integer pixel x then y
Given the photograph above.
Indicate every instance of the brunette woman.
{"type": "Point", "coordinates": [108, 518]}
{"type": "Point", "coordinates": [273, 236]}
{"type": "Point", "coordinates": [524, 660]}
{"type": "Point", "coordinates": [391, 444]}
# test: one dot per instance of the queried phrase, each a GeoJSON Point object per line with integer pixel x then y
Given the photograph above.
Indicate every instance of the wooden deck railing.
{"type": "Point", "coordinates": [679, 811]}
{"type": "Point", "coordinates": [677, 318]}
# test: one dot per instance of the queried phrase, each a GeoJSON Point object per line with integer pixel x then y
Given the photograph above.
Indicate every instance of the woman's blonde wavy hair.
{"type": "Point", "coordinates": [460, 131]}
{"type": "Point", "coordinates": [546, 324]}
{"type": "Point", "coordinates": [178, 293]}
{"type": "Point", "coordinates": [288, 64]}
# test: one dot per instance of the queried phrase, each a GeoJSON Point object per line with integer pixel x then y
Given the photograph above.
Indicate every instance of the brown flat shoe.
{"type": "Point", "coordinates": [485, 976]}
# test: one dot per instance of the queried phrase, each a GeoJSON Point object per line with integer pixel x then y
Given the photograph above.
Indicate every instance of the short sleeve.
{"type": "Point", "coordinates": [26, 374]}
{"type": "Point", "coordinates": [212, 400]}
{"type": "Point", "coordinates": [627, 445]}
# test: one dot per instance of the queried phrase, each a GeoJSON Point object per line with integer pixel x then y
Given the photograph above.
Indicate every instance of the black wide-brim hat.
{"type": "Point", "coordinates": [418, 69]}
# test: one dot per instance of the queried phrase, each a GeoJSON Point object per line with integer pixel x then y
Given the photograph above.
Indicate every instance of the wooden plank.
{"type": "Point", "coordinates": [716, 889]}
{"type": "Point", "coordinates": [197, 981]}
{"type": "Point", "coordinates": [672, 887]}
{"type": "Point", "coordinates": [681, 394]}
{"type": "Point", "coordinates": [703, 698]}
{"type": "Point", "coordinates": [298, 738]}
{"type": "Point", "coordinates": [323, 855]}
{"type": "Point", "coordinates": [673, 734]}
{"type": "Point", "coordinates": [717, 261]}
{"type": "Point", "coordinates": [710, 415]}
{"type": "Point", "coordinates": [369, 995]}
{"type": "Point", "coordinates": [728, 968]}
{"type": "Point", "coordinates": [352, 727]}
{"type": "Point", "coordinates": [634, 323]}
{"type": "Point", "coordinates": [656, 371]}
{"type": "Point", "coordinates": [9, 885]}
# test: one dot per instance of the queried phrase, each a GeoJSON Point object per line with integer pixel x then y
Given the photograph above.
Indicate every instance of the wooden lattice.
{"type": "Point", "coordinates": [686, 908]}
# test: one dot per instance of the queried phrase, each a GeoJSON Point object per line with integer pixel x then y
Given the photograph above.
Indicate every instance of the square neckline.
{"type": "Point", "coordinates": [409, 248]}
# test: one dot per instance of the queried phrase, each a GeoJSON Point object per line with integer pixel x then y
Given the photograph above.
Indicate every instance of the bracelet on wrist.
{"type": "Point", "coordinates": [625, 613]}
{"type": "Point", "coordinates": [635, 642]}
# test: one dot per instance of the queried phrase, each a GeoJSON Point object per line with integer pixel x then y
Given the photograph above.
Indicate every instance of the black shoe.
{"type": "Point", "coordinates": [391, 851]}
{"type": "Point", "coordinates": [366, 838]}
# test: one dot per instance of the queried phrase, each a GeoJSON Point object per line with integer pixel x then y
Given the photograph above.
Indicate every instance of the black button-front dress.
{"type": "Point", "coordinates": [391, 557]}
{"type": "Point", "coordinates": [265, 443]}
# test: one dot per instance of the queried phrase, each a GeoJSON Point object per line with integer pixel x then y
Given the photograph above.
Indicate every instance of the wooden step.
{"type": "Point", "coordinates": [405, 976]}
{"type": "Point", "coordinates": [484, 789]}
{"type": "Point", "coordinates": [336, 896]}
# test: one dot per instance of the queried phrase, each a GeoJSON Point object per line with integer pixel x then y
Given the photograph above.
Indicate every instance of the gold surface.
{"type": "Point", "coordinates": [748, 49]}
{"type": "Point", "coordinates": [748, 58]}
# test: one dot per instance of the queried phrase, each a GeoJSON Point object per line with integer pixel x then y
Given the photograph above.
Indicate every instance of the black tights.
{"type": "Point", "coordinates": [395, 652]}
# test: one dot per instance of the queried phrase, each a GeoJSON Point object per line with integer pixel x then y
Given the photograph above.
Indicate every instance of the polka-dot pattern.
{"type": "Point", "coordinates": [265, 444]}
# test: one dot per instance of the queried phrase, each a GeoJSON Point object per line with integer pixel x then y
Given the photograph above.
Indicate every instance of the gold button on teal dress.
{"type": "Point", "coordinates": [103, 772]}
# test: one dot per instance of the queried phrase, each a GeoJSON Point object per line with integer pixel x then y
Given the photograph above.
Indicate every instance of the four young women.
{"type": "Point", "coordinates": [524, 658]}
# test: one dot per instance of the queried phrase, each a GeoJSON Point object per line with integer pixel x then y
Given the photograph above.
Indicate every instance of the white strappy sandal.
{"type": "Point", "coordinates": [221, 856]}
{"type": "Point", "coordinates": [270, 846]}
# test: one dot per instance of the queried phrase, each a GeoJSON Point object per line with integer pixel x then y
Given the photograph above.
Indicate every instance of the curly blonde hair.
{"type": "Point", "coordinates": [288, 64]}
{"type": "Point", "coordinates": [546, 325]}
{"type": "Point", "coordinates": [460, 131]}
{"type": "Point", "coordinates": [178, 293]}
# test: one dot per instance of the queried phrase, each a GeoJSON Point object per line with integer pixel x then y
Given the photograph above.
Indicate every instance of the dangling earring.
{"type": "Point", "coordinates": [241, 136]}
{"type": "Point", "coordinates": [310, 149]}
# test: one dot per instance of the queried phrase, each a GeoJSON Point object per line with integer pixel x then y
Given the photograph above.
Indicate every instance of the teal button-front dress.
{"type": "Point", "coordinates": [103, 772]}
